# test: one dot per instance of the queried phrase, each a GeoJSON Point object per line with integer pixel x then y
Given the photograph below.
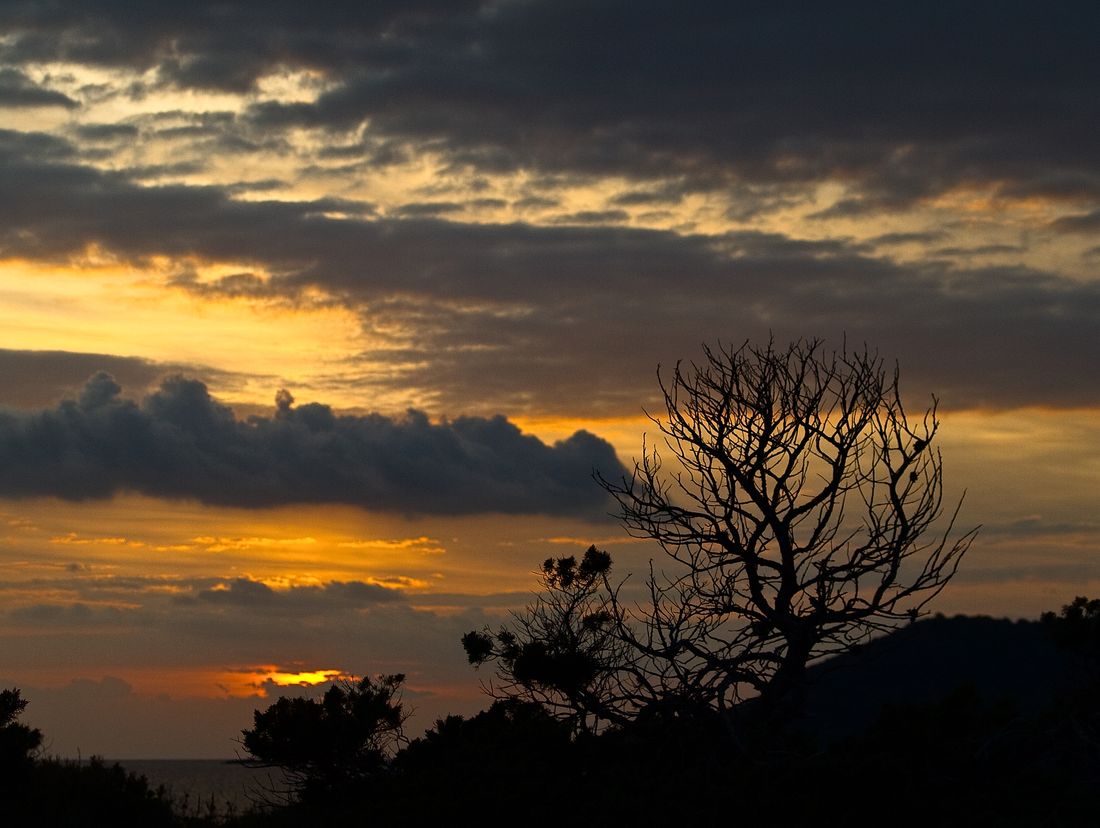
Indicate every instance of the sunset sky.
{"type": "Point", "coordinates": [315, 318]}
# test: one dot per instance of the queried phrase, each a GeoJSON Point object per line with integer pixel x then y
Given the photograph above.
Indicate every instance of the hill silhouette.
{"type": "Point", "coordinates": [1001, 661]}
{"type": "Point", "coordinates": [959, 721]}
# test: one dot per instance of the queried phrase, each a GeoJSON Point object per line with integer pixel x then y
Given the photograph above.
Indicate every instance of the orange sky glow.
{"type": "Point", "coordinates": [474, 269]}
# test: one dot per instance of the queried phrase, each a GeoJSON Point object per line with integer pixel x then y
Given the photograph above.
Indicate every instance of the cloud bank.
{"type": "Point", "coordinates": [936, 115]}
{"type": "Point", "coordinates": [561, 319]}
{"type": "Point", "coordinates": [902, 102]}
{"type": "Point", "coordinates": [181, 443]}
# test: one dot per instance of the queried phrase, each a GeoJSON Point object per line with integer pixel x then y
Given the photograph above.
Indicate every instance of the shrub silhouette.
{"type": "Point", "coordinates": [328, 747]}
{"type": "Point", "coordinates": [57, 792]}
{"type": "Point", "coordinates": [1077, 627]}
{"type": "Point", "coordinates": [498, 764]}
{"type": "Point", "coordinates": [93, 793]}
{"type": "Point", "coordinates": [1077, 630]}
{"type": "Point", "coordinates": [564, 653]}
{"type": "Point", "coordinates": [18, 742]}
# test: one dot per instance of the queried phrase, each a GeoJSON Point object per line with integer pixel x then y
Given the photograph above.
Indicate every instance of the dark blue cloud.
{"type": "Point", "coordinates": [34, 379]}
{"type": "Point", "coordinates": [243, 592]}
{"type": "Point", "coordinates": [17, 90]}
{"type": "Point", "coordinates": [900, 100]}
{"type": "Point", "coordinates": [181, 443]}
{"type": "Point", "coordinates": [569, 319]}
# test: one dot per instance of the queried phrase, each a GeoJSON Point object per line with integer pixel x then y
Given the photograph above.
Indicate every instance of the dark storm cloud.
{"type": "Point", "coordinates": [234, 286]}
{"type": "Point", "coordinates": [561, 319]}
{"type": "Point", "coordinates": [53, 210]}
{"type": "Point", "coordinates": [36, 379]}
{"type": "Point", "coordinates": [244, 592]}
{"type": "Point", "coordinates": [179, 442]}
{"type": "Point", "coordinates": [535, 203]}
{"type": "Point", "coordinates": [207, 43]}
{"type": "Point", "coordinates": [592, 217]}
{"type": "Point", "coordinates": [636, 198]}
{"type": "Point", "coordinates": [901, 101]}
{"type": "Point", "coordinates": [177, 168]}
{"type": "Point", "coordinates": [93, 600]}
{"type": "Point", "coordinates": [1085, 223]}
{"type": "Point", "coordinates": [108, 133]}
{"type": "Point", "coordinates": [891, 239]}
{"type": "Point", "coordinates": [73, 615]}
{"type": "Point", "coordinates": [19, 148]}
{"type": "Point", "coordinates": [487, 204]}
{"type": "Point", "coordinates": [980, 250]}
{"type": "Point", "coordinates": [991, 338]}
{"type": "Point", "coordinates": [427, 209]}
{"type": "Point", "coordinates": [17, 90]}
{"type": "Point", "coordinates": [182, 124]}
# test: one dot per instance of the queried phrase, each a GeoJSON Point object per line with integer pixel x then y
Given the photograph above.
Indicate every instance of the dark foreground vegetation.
{"type": "Point", "coordinates": [770, 674]}
{"type": "Point", "coordinates": [974, 754]}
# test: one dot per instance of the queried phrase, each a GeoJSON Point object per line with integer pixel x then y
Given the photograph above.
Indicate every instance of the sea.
{"type": "Point", "coordinates": [209, 787]}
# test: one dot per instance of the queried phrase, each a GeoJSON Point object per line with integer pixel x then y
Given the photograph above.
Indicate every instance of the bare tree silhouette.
{"type": "Point", "coordinates": [801, 514]}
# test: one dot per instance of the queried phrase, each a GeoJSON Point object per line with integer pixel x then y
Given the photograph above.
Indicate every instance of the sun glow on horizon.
{"type": "Point", "coordinates": [285, 676]}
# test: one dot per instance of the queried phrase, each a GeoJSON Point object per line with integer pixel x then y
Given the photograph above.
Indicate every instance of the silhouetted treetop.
{"type": "Point", "coordinates": [799, 513]}
{"type": "Point", "coordinates": [1077, 625]}
{"type": "Point", "coordinates": [18, 742]}
{"type": "Point", "coordinates": [328, 745]}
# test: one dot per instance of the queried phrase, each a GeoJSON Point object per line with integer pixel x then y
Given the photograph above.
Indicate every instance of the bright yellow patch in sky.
{"type": "Point", "coordinates": [284, 678]}
{"type": "Point", "coordinates": [119, 310]}
{"type": "Point", "coordinates": [282, 547]}
{"type": "Point", "coordinates": [309, 677]}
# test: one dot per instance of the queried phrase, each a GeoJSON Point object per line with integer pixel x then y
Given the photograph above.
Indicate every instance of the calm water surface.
{"type": "Point", "coordinates": [196, 783]}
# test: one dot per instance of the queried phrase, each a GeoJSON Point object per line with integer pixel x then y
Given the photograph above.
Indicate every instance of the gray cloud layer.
{"type": "Point", "coordinates": [179, 442]}
{"type": "Point", "coordinates": [516, 317]}
{"type": "Point", "coordinates": [901, 101]}
{"type": "Point", "coordinates": [897, 103]}
{"type": "Point", "coordinates": [37, 379]}
{"type": "Point", "coordinates": [17, 90]}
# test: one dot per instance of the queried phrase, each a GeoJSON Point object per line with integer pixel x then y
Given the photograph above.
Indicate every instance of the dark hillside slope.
{"type": "Point", "coordinates": [1001, 660]}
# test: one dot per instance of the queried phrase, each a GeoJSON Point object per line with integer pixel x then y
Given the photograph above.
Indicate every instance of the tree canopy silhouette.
{"type": "Point", "coordinates": [332, 745]}
{"type": "Point", "coordinates": [801, 512]}
{"type": "Point", "coordinates": [18, 742]}
{"type": "Point", "coordinates": [566, 652]}
{"type": "Point", "coordinates": [1077, 626]}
